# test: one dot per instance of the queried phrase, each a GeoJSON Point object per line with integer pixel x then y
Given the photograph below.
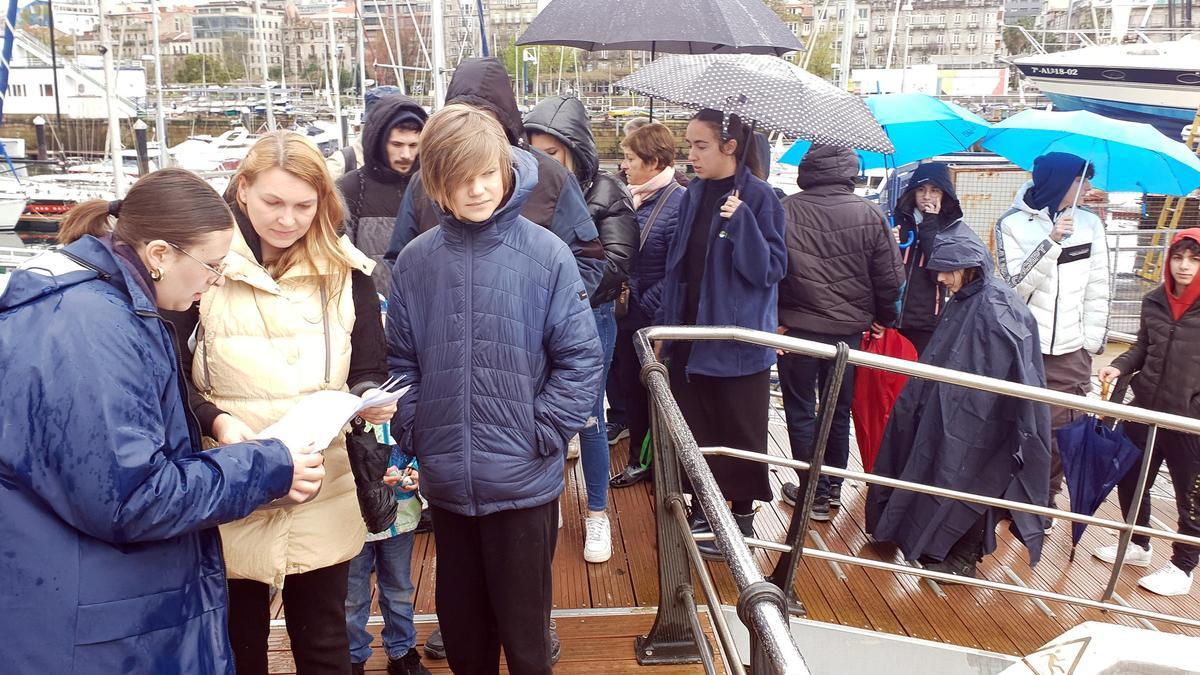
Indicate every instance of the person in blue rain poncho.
{"type": "Point", "coordinates": [966, 439]}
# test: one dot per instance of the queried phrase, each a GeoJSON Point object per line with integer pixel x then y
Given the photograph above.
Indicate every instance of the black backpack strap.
{"type": "Point", "coordinates": [349, 159]}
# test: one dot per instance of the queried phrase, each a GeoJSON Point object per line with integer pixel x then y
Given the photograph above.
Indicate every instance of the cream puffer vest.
{"type": "Point", "coordinates": [261, 346]}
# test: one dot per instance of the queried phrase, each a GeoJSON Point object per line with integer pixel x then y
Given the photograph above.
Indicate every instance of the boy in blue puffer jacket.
{"type": "Point", "coordinates": [489, 320]}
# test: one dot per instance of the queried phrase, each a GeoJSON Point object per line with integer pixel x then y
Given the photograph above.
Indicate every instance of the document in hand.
{"type": "Point", "coordinates": [319, 417]}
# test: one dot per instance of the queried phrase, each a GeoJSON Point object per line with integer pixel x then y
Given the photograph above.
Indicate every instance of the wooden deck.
{"type": "Point", "coordinates": [869, 599]}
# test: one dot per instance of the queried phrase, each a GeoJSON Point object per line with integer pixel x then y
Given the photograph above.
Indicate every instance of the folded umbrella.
{"type": "Point", "coordinates": [767, 92]}
{"type": "Point", "coordinates": [369, 460]}
{"type": "Point", "coordinates": [876, 391]}
{"type": "Point", "coordinates": [1095, 458]}
{"type": "Point", "coordinates": [1127, 156]}
{"type": "Point", "coordinates": [920, 126]}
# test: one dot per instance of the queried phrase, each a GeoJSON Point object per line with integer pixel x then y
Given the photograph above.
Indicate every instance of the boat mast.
{"type": "Point", "coordinates": [110, 85]}
{"type": "Point", "coordinates": [161, 116]}
{"type": "Point", "coordinates": [847, 39]}
{"type": "Point", "coordinates": [438, 65]}
{"type": "Point", "coordinates": [54, 65]}
{"type": "Point", "coordinates": [362, 54]}
{"type": "Point", "coordinates": [334, 82]}
{"type": "Point", "coordinates": [260, 34]}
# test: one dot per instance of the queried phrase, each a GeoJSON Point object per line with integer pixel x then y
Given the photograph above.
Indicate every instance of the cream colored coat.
{"type": "Point", "coordinates": [262, 345]}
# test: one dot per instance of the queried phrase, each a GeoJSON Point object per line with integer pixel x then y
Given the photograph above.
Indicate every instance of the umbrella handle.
{"type": "Point", "coordinates": [912, 238]}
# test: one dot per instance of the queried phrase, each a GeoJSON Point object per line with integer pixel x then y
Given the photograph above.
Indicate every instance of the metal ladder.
{"type": "Point", "coordinates": [1169, 217]}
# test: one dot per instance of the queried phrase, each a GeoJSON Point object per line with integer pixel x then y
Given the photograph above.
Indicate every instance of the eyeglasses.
{"type": "Point", "coordinates": [219, 270]}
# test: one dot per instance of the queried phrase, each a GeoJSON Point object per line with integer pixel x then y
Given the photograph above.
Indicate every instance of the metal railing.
{"type": "Point", "coordinates": [764, 603]}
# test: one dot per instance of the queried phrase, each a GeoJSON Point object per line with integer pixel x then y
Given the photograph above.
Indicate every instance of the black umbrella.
{"type": "Point", "coordinates": [767, 92]}
{"type": "Point", "coordinates": [671, 26]}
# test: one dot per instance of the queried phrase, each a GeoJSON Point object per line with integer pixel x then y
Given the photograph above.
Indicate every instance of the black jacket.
{"type": "Point", "coordinates": [922, 299]}
{"type": "Point", "coordinates": [556, 202]}
{"type": "Point", "coordinates": [373, 191]}
{"type": "Point", "coordinates": [608, 201]}
{"type": "Point", "coordinates": [1165, 358]}
{"type": "Point", "coordinates": [844, 268]}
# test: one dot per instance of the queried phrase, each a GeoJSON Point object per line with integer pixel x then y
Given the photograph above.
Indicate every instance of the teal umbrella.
{"type": "Point", "coordinates": [1127, 156]}
{"type": "Point", "coordinates": [920, 126]}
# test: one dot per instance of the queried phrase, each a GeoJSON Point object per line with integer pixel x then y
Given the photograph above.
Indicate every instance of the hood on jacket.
{"type": "Point", "coordinates": [959, 248]}
{"type": "Point", "coordinates": [827, 165]}
{"type": "Point", "coordinates": [388, 112]}
{"type": "Point", "coordinates": [1053, 174]}
{"type": "Point", "coordinates": [525, 179]}
{"type": "Point", "coordinates": [937, 173]}
{"type": "Point", "coordinates": [484, 83]}
{"type": "Point", "coordinates": [567, 121]}
{"type": "Point", "coordinates": [81, 261]}
{"type": "Point", "coordinates": [1181, 303]}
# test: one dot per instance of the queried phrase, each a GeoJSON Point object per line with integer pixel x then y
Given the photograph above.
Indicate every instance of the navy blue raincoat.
{"type": "Point", "coordinates": [965, 439]}
{"type": "Point", "coordinates": [110, 558]}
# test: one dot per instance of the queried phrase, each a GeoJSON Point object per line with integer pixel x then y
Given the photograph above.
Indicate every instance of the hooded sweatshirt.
{"type": "Point", "coordinates": [1064, 282]}
{"type": "Point", "coordinates": [844, 268]}
{"type": "Point", "coordinates": [1165, 359]}
{"type": "Point", "coordinates": [985, 330]}
{"type": "Point", "coordinates": [608, 200]}
{"type": "Point", "coordinates": [373, 191]}
{"type": "Point", "coordinates": [922, 299]}
{"type": "Point", "coordinates": [1053, 175]}
{"type": "Point", "coordinates": [556, 202]}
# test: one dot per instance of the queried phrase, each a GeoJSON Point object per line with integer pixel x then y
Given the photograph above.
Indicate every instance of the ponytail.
{"type": "Point", "coordinates": [732, 128]}
{"type": "Point", "coordinates": [90, 217]}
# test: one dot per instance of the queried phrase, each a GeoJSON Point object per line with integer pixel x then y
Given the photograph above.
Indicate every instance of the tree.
{"type": "Point", "coordinates": [1016, 43]}
{"type": "Point", "coordinates": [821, 61]}
{"type": "Point", "coordinates": [196, 68]}
{"type": "Point", "coordinates": [274, 72]}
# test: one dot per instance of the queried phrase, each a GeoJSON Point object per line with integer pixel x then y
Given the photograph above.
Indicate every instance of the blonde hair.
{"type": "Point", "coordinates": [297, 155]}
{"type": "Point", "coordinates": [458, 143]}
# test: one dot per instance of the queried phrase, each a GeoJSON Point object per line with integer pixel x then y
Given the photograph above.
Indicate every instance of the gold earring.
{"type": "Point", "coordinates": [156, 274]}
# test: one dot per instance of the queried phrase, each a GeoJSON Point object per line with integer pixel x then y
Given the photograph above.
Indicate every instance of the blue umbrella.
{"type": "Point", "coordinates": [1128, 156]}
{"type": "Point", "coordinates": [1094, 458]}
{"type": "Point", "coordinates": [919, 125]}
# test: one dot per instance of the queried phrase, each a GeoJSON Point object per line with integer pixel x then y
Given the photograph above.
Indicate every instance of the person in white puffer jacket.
{"type": "Point", "coordinates": [1054, 255]}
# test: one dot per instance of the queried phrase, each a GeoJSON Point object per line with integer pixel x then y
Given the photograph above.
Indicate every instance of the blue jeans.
{"type": "Point", "coordinates": [802, 379]}
{"type": "Point", "coordinates": [391, 559]}
{"type": "Point", "coordinates": [593, 439]}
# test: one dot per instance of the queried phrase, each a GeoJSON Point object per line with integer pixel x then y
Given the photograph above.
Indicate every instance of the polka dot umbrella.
{"type": "Point", "coordinates": [768, 92]}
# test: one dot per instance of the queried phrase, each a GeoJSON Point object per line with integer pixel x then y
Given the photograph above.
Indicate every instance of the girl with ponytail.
{"type": "Point", "coordinates": [110, 505]}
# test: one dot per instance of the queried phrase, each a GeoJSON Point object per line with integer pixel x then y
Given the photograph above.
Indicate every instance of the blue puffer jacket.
{"type": "Point", "coordinates": [109, 551]}
{"type": "Point", "coordinates": [492, 326]}
{"type": "Point", "coordinates": [747, 259]}
{"type": "Point", "coordinates": [645, 286]}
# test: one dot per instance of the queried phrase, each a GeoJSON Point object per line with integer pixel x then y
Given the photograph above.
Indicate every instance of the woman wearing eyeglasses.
{"type": "Point", "coordinates": [109, 552]}
{"type": "Point", "coordinates": [297, 313]}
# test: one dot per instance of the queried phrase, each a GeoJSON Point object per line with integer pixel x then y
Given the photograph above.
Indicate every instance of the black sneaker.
{"type": "Point", "coordinates": [409, 664]}
{"type": "Point", "coordinates": [435, 648]}
{"type": "Point", "coordinates": [358, 668]}
{"type": "Point", "coordinates": [616, 432]}
{"type": "Point", "coordinates": [790, 494]}
{"type": "Point", "coordinates": [835, 495]}
{"type": "Point", "coordinates": [953, 565]}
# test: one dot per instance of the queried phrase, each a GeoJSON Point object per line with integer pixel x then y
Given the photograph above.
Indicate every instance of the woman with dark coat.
{"type": "Point", "coordinates": [650, 165]}
{"type": "Point", "coordinates": [558, 126]}
{"type": "Point", "coordinates": [964, 439]}
{"type": "Point", "coordinates": [723, 269]}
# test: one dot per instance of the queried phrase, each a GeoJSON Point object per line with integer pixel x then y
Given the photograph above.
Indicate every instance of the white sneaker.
{"type": "Point", "coordinates": [573, 447]}
{"type": "Point", "coordinates": [597, 546]}
{"type": "Point", "coordinates": [1134, 555]}
{"type": "Point", "coordinates": [1169, 580]}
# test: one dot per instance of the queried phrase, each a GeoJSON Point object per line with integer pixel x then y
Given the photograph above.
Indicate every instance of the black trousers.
{"type": "Point", "coordinates": [494, 588]}
{"type": "Point", "coordinates": [314, 606]}
{"type": "Point", "coordinates": [730, 412]}
{"type": "Point", "coordinates": [1182, 455]}
{"type": "Point", "coordinates": [627, 370]}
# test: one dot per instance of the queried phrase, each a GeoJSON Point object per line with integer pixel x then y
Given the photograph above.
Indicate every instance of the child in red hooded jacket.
{"type": "Point", "coordinates": [1166, 360]}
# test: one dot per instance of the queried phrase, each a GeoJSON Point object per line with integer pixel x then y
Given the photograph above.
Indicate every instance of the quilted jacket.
{"type": "Point", "coordinates": [491, 325]}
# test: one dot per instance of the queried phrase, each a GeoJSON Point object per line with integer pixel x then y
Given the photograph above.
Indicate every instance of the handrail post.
{"type": "Point", "coordinates": [784, 574]}
{"type": "Point", "coordinates": [670, 638]}
{"type": "Point", "coordinates": [1143, 484]}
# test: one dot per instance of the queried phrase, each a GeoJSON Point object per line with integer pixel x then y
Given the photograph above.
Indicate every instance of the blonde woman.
{"type": "Point", "coordinates": [297, 314]}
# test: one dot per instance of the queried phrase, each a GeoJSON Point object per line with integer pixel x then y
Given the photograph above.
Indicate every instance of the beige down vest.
{"type": "Point", "coordinates": [262, 345]}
